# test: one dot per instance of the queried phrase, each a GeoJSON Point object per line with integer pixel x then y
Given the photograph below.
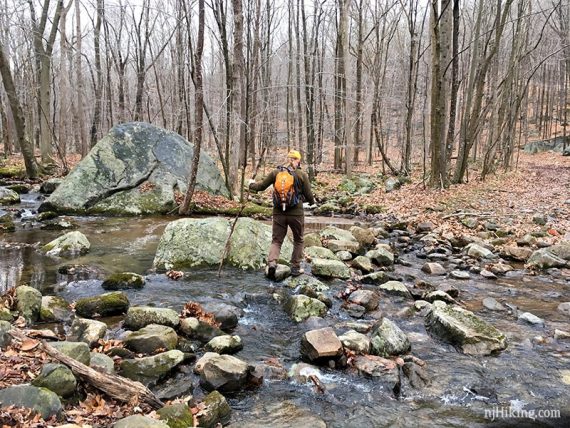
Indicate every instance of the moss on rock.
{"type": "Point", "coordinates": [106, 304]}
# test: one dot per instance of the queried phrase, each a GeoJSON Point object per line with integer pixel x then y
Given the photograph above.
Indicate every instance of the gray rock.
{"type": "Point", "coordinates": [479, 252]}
{"type": "Point", "coordinates": [527, 240]}
{"type": "Point", "coordinates": [6, 222]}
{"type": "Point", "coordinates": [492, 304]}
{"type": "Point", "coordinates": [307, 281]}
{"type": "Point", "coordinates": [57, 378]}
{"type": "Point", "coordinates": [395, 288]}
{"type": "Point", "coordinates": [320, 344]}
{"type": "Point", "coordinates": [216, 411]}
{"type": "Point", "coordinates": [365, 298]}
{"type": "Point", "coordinates": [55, 309]}
{"type": "Point", "coordinates": [8, 196]}
{"type": "Point", "coordinates": [133, 154]}
{"type": "Point", "coordinates": [312, 240]}
{"type": "Point", "coordinates": [123, 281]}
{"type": "Point", "coordinates": [336, 245]}
{"type": "Point", "coordinates": [139, 421]}
{"type": "Point", "coordinates": [561, 335]}
{"type": "Point", "coordinates": [42, 400]}
{"type": "Point", "coordinates": [77, 350]}
{"type": "Point", "coordinates": [182, 244]}
{"type": "Point", "coordinates": [88, 331]}
{"type": "Point", "coordinates": [103, 305]}
{"type": "Point", "coordinates": [433, 268]}
{"type": "Point", "coordinates": [382, 370]}
{"type": "Point", "coordinates": [151, 338]}
{"type": "Point", "coordinates": [421, 304]}
{"type": "Point", "coordinates": [282, 272]}
{"type": "Point", "coordinates": [223, 373]}
{"type": "Point", "coordinates": [501, 268]}
{"type": "Point", "coordinates": [199, 330]}
{"type": "Point", "coordinates": [72, 244]}
{"type": "Point", "coordinates": [177, 415]}
{"type": "Point", "coordinates": [5, 337]}
{"type": "Point", "coordinates": [49, 186]}
{"type": "Point", "coordinates": [344, 256]}
{"type": "Point", "coordinates": [381, 256]}
{"type": "Point", "coordinates": [465, 330]}
{"type": "Point", "coordinates": [364, 236]}
{"type": "Point", "coordinates": [375, 278]}
{"type": "Point", "coordinates": [29, 302]}
{"type": "Point", "coordinates": [336, 233]}
{"type": "Point", "coordinates": [102, 363]}
{"type": "Point", "coordinates": [357, 342]}
{"type": "Point", "coordinates": [320, 253]}
{"type": "Point", "coordinates": [226, 315]}
{"type": "Point", "coordinates": [391, 184]}
{"type": "Point", "coordinates": [544, 259]}
{"type": "Point", "coordinates": [487, 274]}
{"type": "Point", "coordinates": [531, 318]}
{"type": "Point", "coordinates": [432, 296]}
{"type": "Point", "coordinates": [564, 308]}
{"type": "Point", "coordinates": [301, 307]}
{"type": "Point", "coordinates": [388, 339]}
{"type": "Point", "coordinates": [150, 369]}
{"type": "Point", "coordinates": [330, 268]}
{"type": "Point", "coordinates": [460, 274]}
{"type": "Point", "coordinates": [470, 222]}
{"type": "Point", "coordinates": [141, 316]}
{"type": "Point", "coordinates": [225, 344]}
{"type": "Point", "coordinates": [562, 250]}
{"type": "Point", "coordinates": [516, 253]}
{"type": "Point", "coordinates": [281, 414]}
{"type": "Point", "coordinates": [363, 264]}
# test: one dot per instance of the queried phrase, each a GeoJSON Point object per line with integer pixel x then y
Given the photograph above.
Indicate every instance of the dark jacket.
{"type": "Point", "coordinates": [306, 192]}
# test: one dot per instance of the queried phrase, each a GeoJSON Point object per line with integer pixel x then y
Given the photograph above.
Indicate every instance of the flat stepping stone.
{"type": "Point", "coordinates": [460, 274]}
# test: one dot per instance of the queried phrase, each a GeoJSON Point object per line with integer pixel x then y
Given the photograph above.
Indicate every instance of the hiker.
{"type": "Point", "coordinates": [291, 187]}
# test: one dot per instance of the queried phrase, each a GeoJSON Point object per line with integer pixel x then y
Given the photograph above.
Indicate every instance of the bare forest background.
{"type": "Point", "coordinates": [399, 85]}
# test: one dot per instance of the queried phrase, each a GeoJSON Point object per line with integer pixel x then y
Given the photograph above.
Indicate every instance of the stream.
{"type": "Point", "coordinates": [528, 375]}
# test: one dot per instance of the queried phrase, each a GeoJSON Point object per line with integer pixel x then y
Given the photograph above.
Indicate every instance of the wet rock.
{"type": "Point", "coordinates": [123, 281]}
{"type": "Point", "coordinates": [281, 414]}
{"type": "Point", "coordinates": [307, 281]}
{"type": "Point", "coordinates": [561, 335]}
{"type": "Point", "coordinates": [388, 339]}
{"type": "Point", "coordinates": [176, 415]}
{"type": "Point", "coordinates": [55, 309]}
{"type": "Point", "coordinates": [516, 253]}
{"type": "Point", "coordinates": [102, 363]}
{"type": "Point", "coordinates": [381, 369]}
{"type": "Point", "coordinates": [320, 344]}
{"type": "Point", "coordinates": [151, 369]}
{"type": "Point", "coordinates": [487, 274]}
{"type": "Point", "coordinates": [357, 342]}
{"type": "Point", "coordinates": [417, 375]}
{"type": "Point", "coordinates": [152, 338]}
{"type": "Point", "coordinates": [57, 378]}
{"type": "Point", "coordinates": [450, 289]}
{"type": "Point", "coordinates": [433, 268]}
{"type": "Point", "coordinates": [336, 233]}
{"type": "Point", "coordinates": [5, 337]}
{"type": "Point", "coordinates": [6, 222]}
{"type": "Point", "coordinates": [354, 310]}
{"type": "Point", "coordinates": [340, 245]}
{"type": "Point", "coordinates": [225, 344]}
{"type": "Point", "coordinates": [42, 400]}
{"type": "Point", "coordinates": [320, 253]}
{"type": "Point", "coordinates": [226, 315]}
{"type": "Point", "coordinates": [88, 331]}
{"type": "Point", "coordinates": [223, 373]}
{"type": "Point", "coordinates": [8, 196]}
{"type": "Point", "coordinates": [432, 296]}
{"type": "Point", "coordinates": [282, 272]}
{"type": "Point", "coordinates": [465, 330]}
{"type": "Point", "coordinates": [364, 236]}
{"type": "Point", "coordinates": [71, 244]}
{"type": "Point", "coordinates": [479, 252]}
{"type": "Point", "coordinates": [366, 298]}
{"type": "Point", "coordinates": [139, 421]}
{"type": "Point", "coordinates": [301, 307]}
{"type": "Point", "coordinates": [344, 256]}
{"type": "Point", "coordinates": [311, 290]}
{"type": "Point", "coordinates": [193, 328]}
{"type": "Point", "coordinates": [492, 304]}
{"type": "Point", "coordinates": [59, 224]}
{"type": "Point", "coordinates": [302, 372]}
{"type": "Point", "coordinates": [564, 308]}
{"type": "Point", "coordinates": [312, 240]}
{"type": "Point", "coordinates": [141, 316]}
{"type": "Point", "coordinates": [103, 305]}
{"type": "Point", "coordinates": [381, 256]}
{"type": "Point", "coordinates": [29, 302]}
{"type": "Point", "coordinates": [49, 186]}
{"type": "Point", "coordinates": [330, 268]}
{"type": "Point", "coordinates": [395, 288]}
{"type": "Point", "coordinates": [182, 244]}
{"type": "Point", "coordinates": [561, 250]}
{"type": "Point", "coordinates": [419, 305]}
{"type": "Point", "coordinates": [501, 268]}
{"type": "Point", "coordinates": [375, 278]}
{"type": "Point", "coordinates": [531, 318]}
{"type": "Point", "coordinates": [216, 410]}
{"type": "Point", "coordinates": [545, 259]}
{"type": "Point", "coordinates": [77, 350]}
{"type": "Point", "coordinates": [460, 274]}
{"type": "Point", "coordinates": [363, 264]}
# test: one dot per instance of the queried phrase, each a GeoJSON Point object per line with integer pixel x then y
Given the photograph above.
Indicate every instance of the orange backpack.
{"type": "Point", "coordinates": [286, 189]}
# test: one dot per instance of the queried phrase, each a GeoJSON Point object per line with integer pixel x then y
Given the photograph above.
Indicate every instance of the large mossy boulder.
{"type": "Point", "coordinates": [141, 316]}
{"type": "Point", "coordinates": [465, 330]}
{"type": "Point", "coordinates": [182, 244]}
{"type": "Point", "coordinates": [103, 305]}
{"type": "Point", "coordinates": [8, 196]}
{"type": "Point", "coordinates": [135, 169]}
{"type": "Point", "coordinates": [151, 338]}
{"type": "Point", "coordinates": [69, 245]}
{"type": "Point", "coordinates": [57, 378]}
{"type": "Point", "coordinates": [42, 400]}
{"type": "Point", "coordinates": [123, 281]}
{"type": "Point", "coordinates": [29, 302]}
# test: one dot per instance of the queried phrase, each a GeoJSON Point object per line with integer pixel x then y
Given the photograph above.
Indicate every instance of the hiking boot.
{"type": "Point", "coordinates": [271, 268]}
{"type": "Point", "coordinates": [295, 271]}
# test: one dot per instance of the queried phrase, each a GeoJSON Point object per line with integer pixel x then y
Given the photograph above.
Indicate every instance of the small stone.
{"type": "Point", "coordinates": [193, 328]}
{"type": "Point", "coordinates": [177, 415]}
{"type": "Point", "coordinates": [225, 344]}
{"type": "Point", "coordinates": [492, 304]}
{"type": "Point", "coordinates": [539, 219]}
{"type": "Point", "coordinates": [501, 268]}
{"type": "Point", "coordinates": [216, 411]}
{"type": "Point", "coordinates": [344, 256]}
{"type": "Point", "coordinates": [479, 252]}
{"type": "Point", "coordinates": [470, 222]}
{"type": "Point", "coordinates": [141, 316]}
{"type": "Point", "coordinates": [531, 318]}
{"type": "Point", "coordinates": [388, 339]}
{"type": "Point", "coordinates": [460, 274]}
{"type": "Point", "coordinates": [357, 342]}
{"type": "Point", "coordinates": [564, 308]}
{"type": "Point", "coordinates": [342, 245]}
{"type": "Point", "coordinates": [223, 373]}
{"type": "Point", "coordinates": [102, 363]}
{"type": "Point", "coordinates": [395, 288]}
{"type": "Point", "coordinates": [5, 337]}
{"type": "Point", "coordinates": [151, 369]}
{"type": "Point", "coordinates": [433, 269]}
{"type": "Point", "coordinates": [320, 253]}
{"type": "Point", "coordinates": [432, 296]}
{"type": "Point", "coordinates": [424, 227]}
{"type": "Point", "coordinates": [366, 298]}
{"type": "Point", "coordinates": [88, 331]}
{"type": "Point", "coordinates": [55, 309]}
{"type": "Point", "coordinates": [330, 268]}
{"type": "Point", "coordinates": [29, 302]}
{"type": "Point", "coordinates": [71, 244]}
{"type": "Point", "coordinates": [301, 307]}
{"type": "Point", "coordinates": [381, 256]}
{"type": "Point", "coordinates": [363, 264]}
{"type": "Point", "coordinates": [320, 344]}
{"type": "Point", "coordinates": [139, 421]}
{"type": "Point", "coordinates": [561, 335]}
{"type": "Point", "coordinates": [487, 274]}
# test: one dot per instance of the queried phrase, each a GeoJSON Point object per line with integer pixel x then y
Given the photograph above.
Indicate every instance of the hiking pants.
{"type": "Point", "coordinates": [279, 231]}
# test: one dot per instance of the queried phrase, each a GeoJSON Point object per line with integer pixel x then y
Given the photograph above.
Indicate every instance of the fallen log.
{"type": "Point", "coordinates": [115, 386]}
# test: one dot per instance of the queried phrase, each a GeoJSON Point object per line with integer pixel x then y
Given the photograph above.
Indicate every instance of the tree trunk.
{"type": "Point", "coordinates": [80, 84]}
{"type": "Point", "coordinates": [98, 89]}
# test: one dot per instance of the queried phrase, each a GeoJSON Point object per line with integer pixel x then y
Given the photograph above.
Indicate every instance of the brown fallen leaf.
{"type": "Point", "coordinates": [29, 344]}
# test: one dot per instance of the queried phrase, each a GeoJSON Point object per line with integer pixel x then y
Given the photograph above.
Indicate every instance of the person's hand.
{"type": "Point", "coordinates": [247, 184]}
{"type": "Point", "coordinates": [308, 206]}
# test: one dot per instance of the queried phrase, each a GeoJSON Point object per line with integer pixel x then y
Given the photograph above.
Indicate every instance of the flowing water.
{"type": "Point", "coordinates": [528, 375]}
